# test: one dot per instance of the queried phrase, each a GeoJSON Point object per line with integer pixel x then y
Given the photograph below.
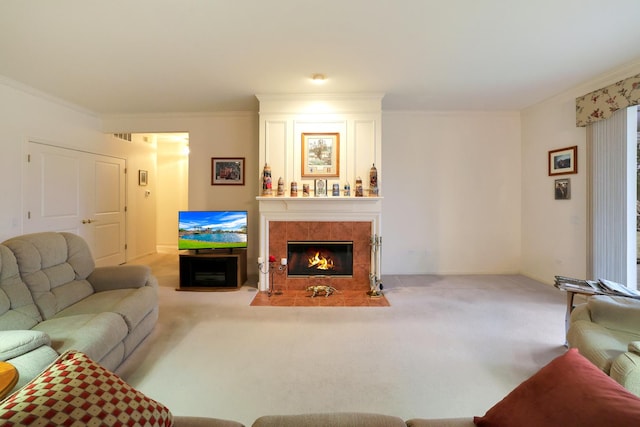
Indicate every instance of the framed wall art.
{"type": "Point", "coordinates": [320, 154]}
{"type": "Point", "coordinates": [227, 171]}
{"type": "Point", "coordinates": [142, 177]}
{"type": "Point", "coordinates": [563, 189]}
{"type": "Point", "coordinates": [563, 161]}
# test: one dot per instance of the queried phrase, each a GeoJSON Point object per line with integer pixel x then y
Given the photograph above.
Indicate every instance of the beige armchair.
{"type": "Point", "coordinates": [606, 330]}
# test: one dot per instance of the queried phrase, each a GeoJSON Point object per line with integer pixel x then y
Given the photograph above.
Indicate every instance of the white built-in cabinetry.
{"type": "Point", "coordinates": [356, 117]}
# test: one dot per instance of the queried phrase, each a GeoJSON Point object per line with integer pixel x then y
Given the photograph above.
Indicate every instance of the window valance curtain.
{"type": "Point", "coordinates": [602, 103]}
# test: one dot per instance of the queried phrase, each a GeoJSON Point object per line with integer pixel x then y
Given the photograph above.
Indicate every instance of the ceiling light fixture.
{"type": "Point", "coordinates": [318, 78]}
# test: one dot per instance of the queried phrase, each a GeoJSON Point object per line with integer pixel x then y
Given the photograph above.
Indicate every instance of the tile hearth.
{"type": "Point", "coordinates": [302, 298]}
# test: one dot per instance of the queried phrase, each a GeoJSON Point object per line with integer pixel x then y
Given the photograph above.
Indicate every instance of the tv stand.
{"type": "Point", "coordinates": [213, 270]}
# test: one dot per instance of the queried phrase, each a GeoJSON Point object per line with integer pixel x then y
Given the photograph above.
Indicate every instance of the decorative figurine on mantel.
{"type": "Point", "coordinates": [347, 190]}
{"type": "Point", "coordinates": [266, 180]}
{"type": "Point", "coordinates": [280, 187]}
{"type": "Point", "coordinates": [294, 189]}
{"type": "Point", "coordinates": [359, 192]}
{"type": "Point", "coordinates": [373, 181]}
{"type": "Point", "coordinates": [305, 190]}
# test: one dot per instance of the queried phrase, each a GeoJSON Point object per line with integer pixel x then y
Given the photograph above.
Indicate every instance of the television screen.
{"type": "Point", "coordinates": [212, 229]}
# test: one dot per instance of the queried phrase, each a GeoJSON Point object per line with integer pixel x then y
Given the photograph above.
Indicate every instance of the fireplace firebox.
{"type": "Point", "coordinates": [319, 258]}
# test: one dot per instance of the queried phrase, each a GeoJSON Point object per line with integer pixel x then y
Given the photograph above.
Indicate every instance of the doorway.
{"type": "Point", "coordinates": [171, 185]}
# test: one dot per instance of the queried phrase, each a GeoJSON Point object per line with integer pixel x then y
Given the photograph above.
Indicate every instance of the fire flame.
{"type": "Point", "coordinates": [320, 262]}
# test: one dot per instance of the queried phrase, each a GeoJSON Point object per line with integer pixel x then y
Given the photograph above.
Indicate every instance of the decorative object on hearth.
{"type": "Point", "coordinates": [347, 190]}
{"type": "Point", "coordinates": [375, 282]}
{"type": "Point", "coordinates": [320, 154]}
{"type": "Point", "coordinates": [320, 187]}
{"type": "Point", "coordinates": [271, 269]}
{"type": "Point", "coordinates": [359, 192]}
{"type": "Point", "coordinates": [280, 187]}
{"type": "Point", "coordinates": [305, 190]}
{"type": "Point", "coordinates": [373, 181]}
{"type": "Point", "coordinates": [315, 290]}
{"type": "Point", "coordinates": [335, 190]}
{"type": "Point", "coordinates": [294, 189]}
{"type": "Point", "coordinates": [266, 180]}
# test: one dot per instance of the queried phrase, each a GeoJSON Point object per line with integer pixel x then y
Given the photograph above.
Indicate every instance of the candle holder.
{"type": "Point", "coordinates": [271, 270]}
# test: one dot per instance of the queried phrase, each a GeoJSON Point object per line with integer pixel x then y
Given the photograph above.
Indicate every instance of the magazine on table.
{"type": "Point", "coordinates": [585, 286]}
{"type": "Point", "coordinates": [600, 286]}
{"type": "Point", "coordinates": [618, 289]}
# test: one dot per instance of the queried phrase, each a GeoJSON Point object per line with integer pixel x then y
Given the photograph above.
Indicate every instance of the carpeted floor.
{"type": "Point", "coordinates": [446, 346]}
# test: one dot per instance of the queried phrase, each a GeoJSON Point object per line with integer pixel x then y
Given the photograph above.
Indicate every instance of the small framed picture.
{"type": "Point", "coordinates": [563, 161]}
{"type": "Point", "coordinates": [563, 189]}
{"type": "Point", "coordinates": [227, 171]}
{"type": "Point", "coordinates": [320, 154]}
{"type": "Point", "coordinates": [320, 188]}
{"type": "Point", "coordinates": [142, 177]}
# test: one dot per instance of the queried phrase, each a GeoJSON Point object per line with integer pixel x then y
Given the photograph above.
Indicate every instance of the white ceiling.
{"type": "Point", "coordinates": [159, 56]}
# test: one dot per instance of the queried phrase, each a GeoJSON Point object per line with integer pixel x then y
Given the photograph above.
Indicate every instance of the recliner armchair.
{"type": "Point", "coordinates": [606, 330]}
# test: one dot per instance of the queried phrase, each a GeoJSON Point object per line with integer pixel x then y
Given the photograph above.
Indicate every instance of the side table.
{"type": "Point", "coordinates": [571, 293]}
{"type": "Point", "coordinates": [8, 378]}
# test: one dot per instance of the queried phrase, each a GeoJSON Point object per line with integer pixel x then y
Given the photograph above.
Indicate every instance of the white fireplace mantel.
{"type": "Point", "coordinates": [320, 209]}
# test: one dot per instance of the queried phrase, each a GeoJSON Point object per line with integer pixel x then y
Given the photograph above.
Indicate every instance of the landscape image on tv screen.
{"type": "Point", "coordinates": [212, 229]}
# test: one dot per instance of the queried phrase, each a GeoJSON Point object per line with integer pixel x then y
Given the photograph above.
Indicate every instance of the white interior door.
{"type": "Point", "coordinates": [78, 192]}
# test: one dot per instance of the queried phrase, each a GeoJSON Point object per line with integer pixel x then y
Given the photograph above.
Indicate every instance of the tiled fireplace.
{"type": "Point", "coordinates": [322, 223]}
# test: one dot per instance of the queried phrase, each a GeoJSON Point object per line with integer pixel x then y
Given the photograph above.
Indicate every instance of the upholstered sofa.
{"type": "Point", "coordinates": [606, 330]}
{"type": "Point", "coordinates": [74, 390]}
{"type": "Point", "coordinates": [53, 299]}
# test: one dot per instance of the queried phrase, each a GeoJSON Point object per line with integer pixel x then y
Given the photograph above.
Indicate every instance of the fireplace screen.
{"type": "Point", "coordinates": [320, 259]}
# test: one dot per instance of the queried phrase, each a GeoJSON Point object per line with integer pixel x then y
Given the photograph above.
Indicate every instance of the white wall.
{"type": "Point", "coordinates": [464, 192]}
{"type": "Point", "coordinates": [554, 236]}
{"type": "Point", "coordinates": [26, 114]}
{"type": "Point", "coordinates": [452, 192]}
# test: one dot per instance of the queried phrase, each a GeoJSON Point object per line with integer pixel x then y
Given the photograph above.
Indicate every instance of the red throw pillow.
{"type": "Point", "coordinates": [569, 391]}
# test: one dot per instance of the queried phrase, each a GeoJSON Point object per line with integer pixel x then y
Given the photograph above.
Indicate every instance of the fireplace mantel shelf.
{"type": "Point", "coordinates": [316, 199]}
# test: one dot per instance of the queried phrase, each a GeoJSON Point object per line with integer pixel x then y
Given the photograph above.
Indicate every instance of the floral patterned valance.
{"type": "Point", "coordinates": [602, 103]}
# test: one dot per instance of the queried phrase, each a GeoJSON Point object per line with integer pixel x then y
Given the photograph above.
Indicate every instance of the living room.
{"type": "Point", "coordinates": [465, 187]}
{"type": "Point", "coordinates": [506, 221]}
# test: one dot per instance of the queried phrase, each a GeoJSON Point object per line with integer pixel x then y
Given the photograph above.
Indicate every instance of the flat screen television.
{"type": "Point", "coordinates": [212, 230]}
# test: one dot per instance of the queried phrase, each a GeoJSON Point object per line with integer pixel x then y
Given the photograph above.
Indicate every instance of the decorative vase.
{"type": "Point", "coordinates": [280, 187]}
{"type": "Point", "coordinates": [266, 180]}
{"type": "Point", "coordinates": [373, 181]}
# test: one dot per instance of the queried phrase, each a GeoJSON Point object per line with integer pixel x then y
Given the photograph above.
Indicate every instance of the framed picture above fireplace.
{"type": "Point", "coordinates": [320, 154]}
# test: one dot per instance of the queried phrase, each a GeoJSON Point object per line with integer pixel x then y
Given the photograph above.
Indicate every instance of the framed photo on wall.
{"type": "Point", "coordinates": [563, 161]}
{"type": "Point", "coordinates": [563, 189]}
{"type": "Point", "coordinates": [320, 154]}
{"type": "Point", "coordinates": [227, 171]}
{"type": "Point", "coordinates": [142, 177]}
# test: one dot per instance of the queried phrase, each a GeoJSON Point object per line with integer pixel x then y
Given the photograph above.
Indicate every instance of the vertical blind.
{"type": "Point", "coordinates": [612, 217]}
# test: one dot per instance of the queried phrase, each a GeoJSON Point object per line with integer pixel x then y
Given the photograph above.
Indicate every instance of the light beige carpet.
{"type": "Point", "coordinates": [447, 346]}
